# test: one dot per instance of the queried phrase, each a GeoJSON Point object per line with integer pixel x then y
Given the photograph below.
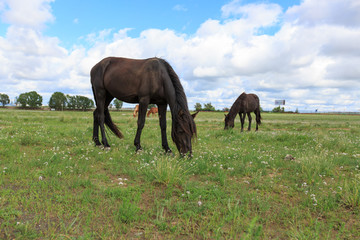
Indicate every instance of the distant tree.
{"type": "Point", "coordinates": [226, 109]}
{"type": "Point", "coordinates": [34, 99]}
{"type": "Point", "coordinates": [31, 99]}
{"type": "Point", "coordinates": [209, 107]}
{"type": "Point", "coordinates": [58, 101]}
{"type": "Point", "coordinates": [22, 100]}
{"type": "Point", "coordinates": [118, 104]}
{"type": "Point", "coordinates": [71, 102]}
{"type": "Point", "coordinates": [278, 109]}
{"type": "Point", "coordinates": [198, 106]}
{"type": "Point", "coordinates": [79, 102]}
{"type": "Point", "coordinates": [84, 103]}
{"type": "Point", "coordinates": [4, 99]}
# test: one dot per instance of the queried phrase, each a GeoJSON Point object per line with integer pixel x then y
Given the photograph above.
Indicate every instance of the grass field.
{"type": "Point", "coordinates": [54, 184]}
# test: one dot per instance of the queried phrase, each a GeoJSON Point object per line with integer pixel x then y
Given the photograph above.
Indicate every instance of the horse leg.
{"type": "Point", "coordinates": [249, 117]}
{"type": "Point", "coordinates": [96, 128]}
{"type": "Point", "coordinates": [141, 122]}
{"type": "Point", "coordinates": [242, 120]}
{"type": "Point", "coordinates": [101, 99]}
{"type": "Point", "coordinates": [162, 121]}
{"type": "Point", "coordinates": [257, 115]}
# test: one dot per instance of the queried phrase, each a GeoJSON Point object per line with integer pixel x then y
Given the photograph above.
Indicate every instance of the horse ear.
{"type": "Point", "coordinates": [194, 114]}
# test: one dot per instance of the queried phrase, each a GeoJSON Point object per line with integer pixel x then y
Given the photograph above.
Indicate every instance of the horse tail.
{"type": "Point", "coordinates": [97, 80]}
{"type": "Point", "coordinates": [258, 117]}
{"type": "Point", "coordinates": [111, 125]}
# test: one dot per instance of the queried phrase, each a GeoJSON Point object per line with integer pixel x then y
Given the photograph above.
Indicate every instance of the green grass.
{"type": "Point", "coordinates": [55, 184]}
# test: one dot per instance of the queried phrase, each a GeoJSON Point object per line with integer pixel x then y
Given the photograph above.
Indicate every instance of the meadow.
{"type": "Point", "coordinates": [298, 177]}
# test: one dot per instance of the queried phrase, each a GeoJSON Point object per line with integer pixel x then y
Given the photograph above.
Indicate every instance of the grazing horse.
{"type": "Point", "coordinates": [153, 110]}
{"type": "Point", "coordinates": [244, 104]}
{"type": "Point", "coordinates": [143, 81]}
{"type": "Point", "coordinates": [136, 110]}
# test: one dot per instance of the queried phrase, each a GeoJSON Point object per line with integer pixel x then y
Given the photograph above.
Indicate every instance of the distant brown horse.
{"type": "Point", "coordinates": [153, 111]}
{"type": "Point", "coordinates": [136, 110]}
{"type": "Point", "coordinates": [145, 81]}
{"type": "Point", "coordinates": [244, 104]}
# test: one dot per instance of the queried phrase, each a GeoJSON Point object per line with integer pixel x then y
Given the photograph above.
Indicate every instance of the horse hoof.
{"type": "Point", "coordinates": [169, 153]}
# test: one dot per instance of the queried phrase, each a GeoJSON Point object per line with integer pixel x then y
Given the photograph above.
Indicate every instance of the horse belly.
{"type": "Point", "coordinates": [122, 90]}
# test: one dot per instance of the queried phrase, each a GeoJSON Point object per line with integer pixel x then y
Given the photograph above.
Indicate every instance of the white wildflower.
{"type": "Point", "coordinates": [314, 199]}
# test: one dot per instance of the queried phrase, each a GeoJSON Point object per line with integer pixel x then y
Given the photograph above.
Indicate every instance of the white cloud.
{"type": "Point", "coordinates": [256, 15]}
{"type": "Point", "coordinates": [180, 8]}
{"type": "Point", "coordinates": [34, 13]}
{"type": "Point", "coordinates": [319, 12]}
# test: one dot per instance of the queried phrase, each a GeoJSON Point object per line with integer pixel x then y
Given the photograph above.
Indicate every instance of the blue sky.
{"type": "Point", "coordinates": [137, 15]}
{"type": "Point", "coordinates": [73, 21]}
{"type": "Point", "coordinates": [303, 51]}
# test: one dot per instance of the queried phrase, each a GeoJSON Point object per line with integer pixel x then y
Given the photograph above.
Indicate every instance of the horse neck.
{"type": "Point", "coordinates": [174, 92]}
{"type": "Point", "coordinates": [235, 109]}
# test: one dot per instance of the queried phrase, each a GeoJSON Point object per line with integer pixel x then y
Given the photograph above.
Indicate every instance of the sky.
{"type": "Point", "coordinates": [305, 52]}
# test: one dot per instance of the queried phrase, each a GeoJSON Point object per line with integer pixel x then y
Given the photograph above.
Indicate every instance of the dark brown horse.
{"type": "Point", "coordinates": [244, 104]}
{"type": "Point", "coordinates": [153, 111]}
{"type": "Point", "coordinates": [147, 81]}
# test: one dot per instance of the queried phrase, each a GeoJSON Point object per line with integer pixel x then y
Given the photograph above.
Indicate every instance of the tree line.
{"type": "Point", "coordinates": [207, 107]}
{"type": "Point", "coordinates": [58, 101]}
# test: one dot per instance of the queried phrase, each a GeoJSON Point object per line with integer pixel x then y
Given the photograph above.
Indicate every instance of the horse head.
{"type": "Point", "coordinates": [229, 122]}
{"type": "Point", "coordinates": [183, 130]}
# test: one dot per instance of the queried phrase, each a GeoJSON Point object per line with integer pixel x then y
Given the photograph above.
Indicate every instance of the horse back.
{"type": "Point", "coordinates": [253, 102]}
{"type": "Point", "coordinates": [131, 79]}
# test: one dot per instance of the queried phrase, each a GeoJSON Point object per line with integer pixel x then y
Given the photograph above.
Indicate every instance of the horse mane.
{"type": "Point", "coordinates": [181, 106]}
{"type": "Point", "coordinates": [179, 90]}
{"type": "Point", "coordinates": [235, 108]}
